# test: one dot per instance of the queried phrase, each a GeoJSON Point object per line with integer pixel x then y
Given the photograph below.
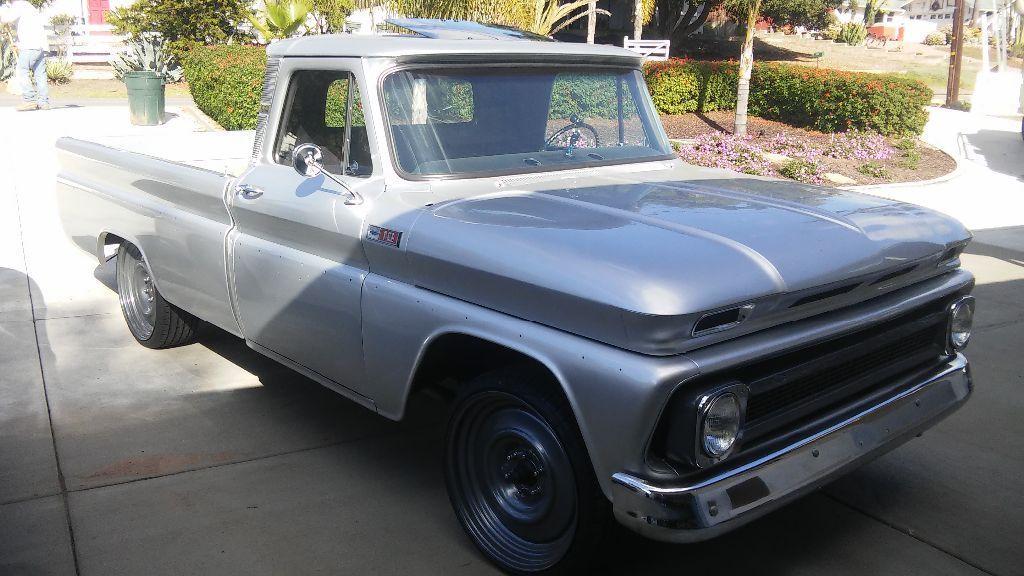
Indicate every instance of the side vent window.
{"type": "Point", "coordinates": [266, 98]}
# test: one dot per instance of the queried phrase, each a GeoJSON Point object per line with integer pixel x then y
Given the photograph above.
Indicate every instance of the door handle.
{"type": "Point", "coordinates": [247, 192]}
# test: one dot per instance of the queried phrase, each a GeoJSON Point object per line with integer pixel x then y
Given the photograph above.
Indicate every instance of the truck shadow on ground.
{"type": "Point", "coordinates": [1002, 151]}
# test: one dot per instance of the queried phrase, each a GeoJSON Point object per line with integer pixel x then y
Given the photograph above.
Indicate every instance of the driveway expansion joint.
{"type": "Point", "coordinates": [908, 532]}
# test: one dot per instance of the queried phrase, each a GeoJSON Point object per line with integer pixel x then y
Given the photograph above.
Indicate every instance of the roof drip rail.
{"type": "Point", "coordinates": [463, 30]}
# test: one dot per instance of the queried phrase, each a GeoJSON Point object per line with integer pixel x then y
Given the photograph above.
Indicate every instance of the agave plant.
{"type": "Point", "coordinates": [147, 54]}
{"type": "Point", "coordinates": [59, 71]}
{"type": "Point", "coordinates": [280, 18]}
{"type": "Point", "coordinates": [8, 59]}
{"type": "Point", "coordinates": [551, 16]}
{"type": "Point", "coordinates": [8, 55]}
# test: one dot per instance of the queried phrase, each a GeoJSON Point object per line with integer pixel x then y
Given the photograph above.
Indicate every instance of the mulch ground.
{"type": "Point", "coordinates": [933, 163]}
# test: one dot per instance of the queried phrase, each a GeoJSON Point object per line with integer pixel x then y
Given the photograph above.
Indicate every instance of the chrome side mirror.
{"type": "Point", "coordinates": [307, 159]}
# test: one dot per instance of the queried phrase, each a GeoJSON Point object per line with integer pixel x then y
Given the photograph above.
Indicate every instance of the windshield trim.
{"type": "Point", "coordinates": [404, 175]}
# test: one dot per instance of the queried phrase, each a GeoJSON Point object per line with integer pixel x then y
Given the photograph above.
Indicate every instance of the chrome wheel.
{"type": "Point", "coordinates": [511, 482]}
{"type": "Point", "coordinates": [136, 292]}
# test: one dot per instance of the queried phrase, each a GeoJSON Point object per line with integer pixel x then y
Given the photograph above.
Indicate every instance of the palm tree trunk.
{"type": "Point", "coordinates": [638, 19]}
{"type": "Point", "coordinates": [746, 67]}
{"type": "Point", "coordinates": [591, 21]}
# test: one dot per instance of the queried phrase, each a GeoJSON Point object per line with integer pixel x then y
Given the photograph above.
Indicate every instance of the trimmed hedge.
{"type": "Point", "coordinates": [818, 98]}
{"type": "Point", "coordinates": [226, 82]}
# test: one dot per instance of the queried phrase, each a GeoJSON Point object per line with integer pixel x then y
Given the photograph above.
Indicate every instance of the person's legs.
{"type": "Point", "coordinates": [26, 62]}
{"type": "Point", "coordinates": [39, 71]}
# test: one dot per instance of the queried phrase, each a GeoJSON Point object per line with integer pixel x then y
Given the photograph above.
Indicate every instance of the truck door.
{"type": "Point", "coordinates": [297, 261]}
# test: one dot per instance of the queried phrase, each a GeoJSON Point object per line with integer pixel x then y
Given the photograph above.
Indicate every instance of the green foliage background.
{"type": "Point", "coordinates": [226, 82]}
{"type": "Point", "coordinates": [181, 23]}
{"type": "Point", "coordinates": [818, 98]}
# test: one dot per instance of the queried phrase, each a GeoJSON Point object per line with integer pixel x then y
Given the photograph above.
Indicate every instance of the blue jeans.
{"type": "Point", "coordinates": [34, 60]}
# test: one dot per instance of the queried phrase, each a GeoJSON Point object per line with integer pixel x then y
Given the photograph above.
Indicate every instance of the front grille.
{"type": "Point", "coordinates": [797, 384]}
{"type": "Point", "coordinates": [799, 390]}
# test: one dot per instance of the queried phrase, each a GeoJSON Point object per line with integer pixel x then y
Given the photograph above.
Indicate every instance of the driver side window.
{"type": "Point", "coordinates": [317, 112]}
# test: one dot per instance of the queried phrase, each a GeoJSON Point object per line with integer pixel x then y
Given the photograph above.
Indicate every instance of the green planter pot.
{"type": "Point", "coordinates": [146, 98]}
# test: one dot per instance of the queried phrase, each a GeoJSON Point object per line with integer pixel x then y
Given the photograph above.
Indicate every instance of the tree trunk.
{"type": "Point", "coordinates": [638, 19]}
{"type": "Point", "coordinates": [591, 21]}
{"type": "Point", "coordinates": [746, 67]}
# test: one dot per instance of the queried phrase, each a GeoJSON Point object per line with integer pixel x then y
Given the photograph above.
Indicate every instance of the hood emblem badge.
{"type": "Point", "coordinates": [384, 236]}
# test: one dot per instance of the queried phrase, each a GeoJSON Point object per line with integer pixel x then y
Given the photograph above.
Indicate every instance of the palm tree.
{"type": "Point", "coordinates": [592, 21]}
{"type": "Point", "coordinates": [280, 18]}
{"type": "Point", "coordinates": [753, 8]}
{"type": "Point", "coordinates": [544, 17]}
{"type": "Point", "coordinates": [551, 17]}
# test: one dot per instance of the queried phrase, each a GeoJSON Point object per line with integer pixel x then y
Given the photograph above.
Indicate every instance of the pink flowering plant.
{"type": "Point", "coordinates": [806, 160]}
{"type": "Point", "coordinates": [859, 145]}
{"type": "Point", "coordinates": [721, 150]}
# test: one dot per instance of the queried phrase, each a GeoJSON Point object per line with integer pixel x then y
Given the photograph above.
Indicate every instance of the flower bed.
{"type": "Point", "coordinates": [822, 99]}
{"type": "Point", "coordinates": [778, 150]}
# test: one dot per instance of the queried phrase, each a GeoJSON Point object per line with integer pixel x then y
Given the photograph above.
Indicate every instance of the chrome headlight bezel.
{"type": "Point", "coordinates": [957, 337]}
{"type": "Point", "coordinates": [737, 391]}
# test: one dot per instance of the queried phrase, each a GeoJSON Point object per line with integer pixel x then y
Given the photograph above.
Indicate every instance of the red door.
{"type": "Point", "coordinates": [98, 11]}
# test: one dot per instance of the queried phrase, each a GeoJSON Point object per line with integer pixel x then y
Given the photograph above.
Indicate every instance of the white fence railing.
{"type": "Point", "coordinates": [87, 43]}
{"type": "Point", "coordinates": [649, 49]}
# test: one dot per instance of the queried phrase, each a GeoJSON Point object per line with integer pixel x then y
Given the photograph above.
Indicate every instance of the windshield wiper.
{"type": "Point", "coordinates": [532, 161]}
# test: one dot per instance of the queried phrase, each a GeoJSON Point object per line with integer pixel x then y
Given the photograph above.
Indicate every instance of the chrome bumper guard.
{"type": "Point", "coordinates": [690, 513]}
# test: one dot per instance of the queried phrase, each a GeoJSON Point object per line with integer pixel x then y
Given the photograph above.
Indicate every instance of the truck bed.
{"type": "Point", "coordinates": [222, 152]}
{"type": "Point", "coordinates": [166, 196]}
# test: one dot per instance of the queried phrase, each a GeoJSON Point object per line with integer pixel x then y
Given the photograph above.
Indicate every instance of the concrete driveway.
{"type": "Point", "coordinates": [210, 459]}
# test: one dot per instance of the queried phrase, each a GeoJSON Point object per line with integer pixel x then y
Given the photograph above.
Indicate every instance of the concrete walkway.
{"type": "Point", "coordinates": [210, 459]}
{"type": "Point", "coordinates": [988, 189]}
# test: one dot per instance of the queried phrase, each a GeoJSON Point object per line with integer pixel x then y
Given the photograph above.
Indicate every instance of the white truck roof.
{"type": "Point", "coordinates": [400, 46]}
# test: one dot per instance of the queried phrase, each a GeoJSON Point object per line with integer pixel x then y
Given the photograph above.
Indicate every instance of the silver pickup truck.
{"type": "Point", "coordinates": [503, 221]}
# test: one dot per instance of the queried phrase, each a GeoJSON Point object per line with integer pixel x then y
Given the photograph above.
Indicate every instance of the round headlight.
{"type": "Point", "coordinates": [961, 317]}
{"type": "Point", "coordinates": [721, 425]}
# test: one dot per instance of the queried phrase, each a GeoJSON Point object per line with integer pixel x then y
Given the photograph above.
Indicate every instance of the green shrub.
{"type": "Point", "coordinates": [852, 33]}
{"type": "Point", "coordinates": [831, 32]}
{"type": "Point", "coordinates": [226, 82]}
{"type": "Point", "coordinates": [935, 39]}
{"type": "Point", "coordinates": [872, 168]}
{"type": "Point", "coordinates": [59, 71]}
{"type": "Point", "coordinates": [681, 86]}
{"type": "Point", "coordinates": [801, 170]}
{"type": "Point", "coordinates": [181, 23]}
{"type": "Point", "coordinates": [818, 98]}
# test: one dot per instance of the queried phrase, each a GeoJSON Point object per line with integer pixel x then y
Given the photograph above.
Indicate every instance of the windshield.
{"type": "Point", "coordinates": [501, 120]}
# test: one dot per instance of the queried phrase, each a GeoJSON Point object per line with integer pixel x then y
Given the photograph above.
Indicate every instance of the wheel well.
{"type": "Point", "coordinates": [455, 358]}
{"type": "Point", "coordinates": [107, 239]}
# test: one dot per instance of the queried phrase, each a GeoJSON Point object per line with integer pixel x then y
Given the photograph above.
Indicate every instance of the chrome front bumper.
{"type": "Point", "coordinates": [693, 512]}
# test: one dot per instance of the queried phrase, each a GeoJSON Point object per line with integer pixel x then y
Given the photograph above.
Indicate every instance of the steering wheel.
{"type": "Point", "coordinates": [573, 127]}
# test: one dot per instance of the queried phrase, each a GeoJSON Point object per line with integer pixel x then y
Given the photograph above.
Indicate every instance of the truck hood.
{"type": "Point", "coordinates": [634, 262]}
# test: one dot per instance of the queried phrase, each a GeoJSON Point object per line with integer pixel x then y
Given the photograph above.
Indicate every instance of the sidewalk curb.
{"type": "Point", "coordinates": [202, 119]}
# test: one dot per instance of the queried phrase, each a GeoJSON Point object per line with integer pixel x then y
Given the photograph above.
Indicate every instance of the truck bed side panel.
{"type": "Point", "coordinates": [174, 213]}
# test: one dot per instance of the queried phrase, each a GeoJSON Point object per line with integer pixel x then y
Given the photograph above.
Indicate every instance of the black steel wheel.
{"type": "Point", "coordinates": [519, 476]}
{"type": "Point", "coordinates": [153, 321]}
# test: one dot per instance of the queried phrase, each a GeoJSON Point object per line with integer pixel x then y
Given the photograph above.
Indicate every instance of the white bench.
{"type": "Point", "coordinates": [649, 49]}
{"type": "Point", "coordinates": [88, 43]}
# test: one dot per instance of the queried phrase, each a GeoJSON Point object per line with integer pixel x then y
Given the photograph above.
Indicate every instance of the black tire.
{"type": "Point", "coordinates": [153, 321]}
{"type": "Point", "coordinates": [519, 476]}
